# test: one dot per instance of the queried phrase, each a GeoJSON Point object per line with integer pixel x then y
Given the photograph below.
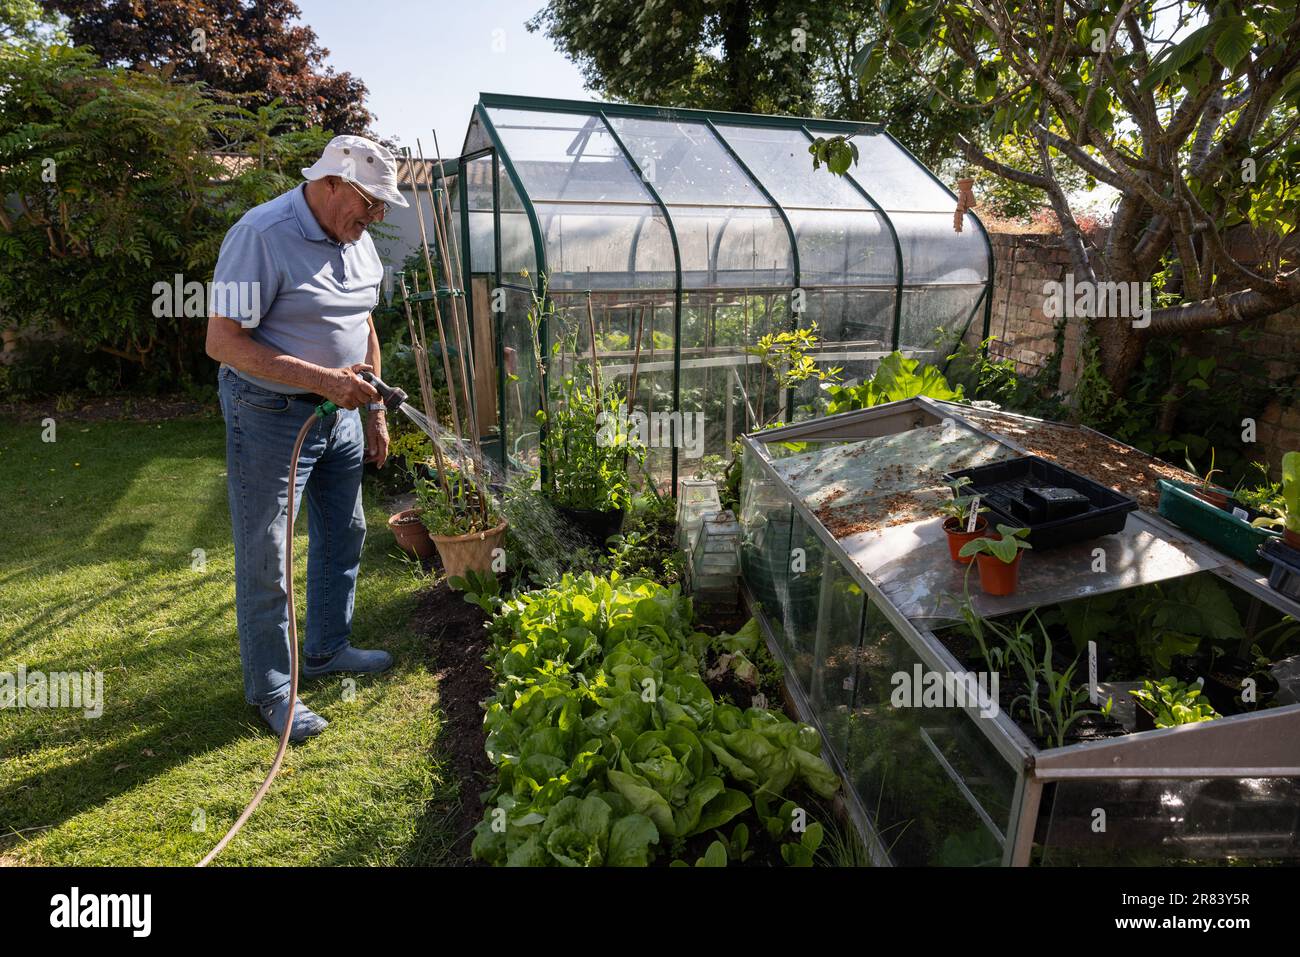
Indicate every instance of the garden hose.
{"type": "Point", "coordinates": [393, 398]}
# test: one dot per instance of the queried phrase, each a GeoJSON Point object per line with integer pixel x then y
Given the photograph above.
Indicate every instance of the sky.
{"type": "Point", "coordinates": [426, 61]}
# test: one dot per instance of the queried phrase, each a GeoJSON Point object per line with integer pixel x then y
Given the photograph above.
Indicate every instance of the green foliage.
{"type": "Point", "coordinates": [1171, 702]}
{"type": "Point", "coordinates": [453, 508]}
{"type": "Point", "coordinates": [837, 152]}
{"type": "Point", "coordinates": [1004, 548]}
{"type": "Point", "coordinates": [897, 377]}
{"type": "Point", "coordinates": [1286, 506]}
{"type": "Point", "coordinates": [959, 505]}
{"type": "Point", "coordinates": [647, 546]}
{"type": "Point", "coordinates": [136, 197]}
{"type": "Point", "coordinates": [479, 588]}
{"type": "Point", "coordinates": [599, 701]}
{"type": "Point", "coordinates": [589, 446]}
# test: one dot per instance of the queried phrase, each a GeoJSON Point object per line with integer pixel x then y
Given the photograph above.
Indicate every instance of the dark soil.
{"type": "Point", "coordinates": [458, 642]}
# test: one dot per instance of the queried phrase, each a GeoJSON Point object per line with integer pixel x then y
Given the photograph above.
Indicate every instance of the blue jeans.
{"type": "Point", "coordinates": [260, 430]}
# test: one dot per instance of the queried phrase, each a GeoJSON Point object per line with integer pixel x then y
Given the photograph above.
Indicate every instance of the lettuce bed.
{"type": "Point", "coordinates": [609, 747]}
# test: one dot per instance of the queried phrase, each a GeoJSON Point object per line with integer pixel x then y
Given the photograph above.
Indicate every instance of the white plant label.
{"type": "Point", "coordinates": [1093, 694]}
{"type": "Point", "coordinates": [974, 515]}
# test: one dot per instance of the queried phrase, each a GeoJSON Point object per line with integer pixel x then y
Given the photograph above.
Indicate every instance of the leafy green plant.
{"type": "Point", "coordinates": [802, 852]}
{"type": "Point", "coordinates": [1004, 548]}
{"type": "Point", "coordinates": [1288, 514]}
{"type": "Point", "coordinates": [1171, 702]}
{"type": "Point", "coordinates": [599, 697]}
{"type": "Point", "coordinates": [480, 588]}
{"type": "Point", "coordinates": [897, 377]}
{"type": "Point", "coordinates": [451, 505]}
{"type": "Point", "coordinates": [784, 355]}
{"type": "Point", "coordinates": [587, 446]}
{"type": "Point", "coordinates": [959, 505]}
{"type": "Point", "coordinates": [1206, 479]}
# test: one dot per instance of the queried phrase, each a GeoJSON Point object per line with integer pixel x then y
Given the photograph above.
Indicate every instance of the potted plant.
{"type": "Point", "coordinates": [998, 559]}
{"type": "Point", "coordinates": [958, 511]}
{"type": "Point", "coordinates": [1286, 513]}
{"type": "Point", "coordinates": [462, 522]}
{"type": "Point", "coordinates": [1218, 497]}
{"type": "Point", "coordinates": [411, 535]}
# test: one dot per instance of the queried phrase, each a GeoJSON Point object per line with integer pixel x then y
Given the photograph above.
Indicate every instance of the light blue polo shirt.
{"type": "Point", "coordinates": [314, 295]}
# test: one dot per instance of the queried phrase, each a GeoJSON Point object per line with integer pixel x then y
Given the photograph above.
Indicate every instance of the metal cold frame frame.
{"type": "Point", "coordinates": [689, 176]}
{"type": "Point", "coordinates": [1257, 749]}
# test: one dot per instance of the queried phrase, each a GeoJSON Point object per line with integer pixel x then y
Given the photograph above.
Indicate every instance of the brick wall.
{"type": "Point", "coordinates": [1025, 262]}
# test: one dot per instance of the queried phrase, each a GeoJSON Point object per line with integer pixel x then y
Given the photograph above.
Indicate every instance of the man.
{"type": "Point", "coordinates": [315, 278]}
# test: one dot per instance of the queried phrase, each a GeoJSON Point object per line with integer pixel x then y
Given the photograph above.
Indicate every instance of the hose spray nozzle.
{"type": "Point", "coordinates": [392, 396]}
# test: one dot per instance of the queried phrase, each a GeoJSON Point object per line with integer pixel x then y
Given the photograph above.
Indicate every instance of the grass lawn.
{"type": "Point", "coordinates": [98, 571]}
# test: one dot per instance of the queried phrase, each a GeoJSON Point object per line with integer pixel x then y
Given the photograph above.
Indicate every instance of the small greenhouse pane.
{"type": "Point", "coordinates": [933, 252]}
{"type": "Point", "coordinates": [864, 317]}
{"type": "Point", "coordinates": [839, 630]}
{"type": "Point", "coordinates": [843, 246]}
{"type": "Point", "coordinates": [522, 385]}
{"type": "Point", "coordinates": [476, 137]}
{"type": "Point", "coordinates": [733, 248]}
{"type": "Point", "coordinates": [606, 247]}
{"type": "Point", "coordinates": [895, 180]}
{"type": "Point", "coordinates": [801, 602]}
{"type": "Point", "coordinates": [478, 188]}
{"type": "Point", "coordinates": [566, 156]}
{"type": "Point", "coordinates": [685, 163]}
{"type": "Point", "coordinates": [765, 520]}
{"type": "Point", "coordinates": [934, 317]}
{"type": "Point", "coordinates": [937, 790]}
{"type": "Point", "coordinates": [1160, 822]}
{"type": "Point", "coordinates": [780, 161]}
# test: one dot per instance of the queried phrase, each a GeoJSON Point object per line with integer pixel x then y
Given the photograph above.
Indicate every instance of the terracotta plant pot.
{"type": "Point", "coordinates": [957, 538]}
{"type": "Point", "coordinates": [998, 577]}
{"type": "Point", "coordinates": [1216, 497]}
{"type": "Point", "coordinates": [472, 552]}
{"type": "Point", "coordinates": [1291, 538]}
{"type": "Point", "coordinates": [412, 537]}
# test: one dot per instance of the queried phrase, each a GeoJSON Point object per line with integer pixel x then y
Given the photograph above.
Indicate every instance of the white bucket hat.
{"type": "Point", "coordinates": [360, 161]}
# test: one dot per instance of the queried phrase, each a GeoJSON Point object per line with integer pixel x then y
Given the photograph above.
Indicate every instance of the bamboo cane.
{"type": "Point", "coordinates": [595, 363]}
{"type": "Point", "coordinates": [426, 391]}
{"type": "Point", "coordinates": [457, 312]}
{"type": "Point", "coordinates": [437, 313]}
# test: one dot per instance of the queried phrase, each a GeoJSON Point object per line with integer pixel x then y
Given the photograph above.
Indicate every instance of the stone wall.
{"type": "Point", "coordinates": [1025, 262]}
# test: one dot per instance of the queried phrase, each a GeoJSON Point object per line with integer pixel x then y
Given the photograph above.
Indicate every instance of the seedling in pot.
{"type": "Point", "coordinates": [1208, 492]}
{"type": "Point", "coordinates": [958, 526]}
{"type": "Point", "coordinates": [998, 558]}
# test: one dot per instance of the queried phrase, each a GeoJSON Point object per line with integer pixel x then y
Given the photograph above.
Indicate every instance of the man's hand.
{"type": "Point", "coordinates": [348, 390]}
{"type": "Point", "coordinates": [376, 439]}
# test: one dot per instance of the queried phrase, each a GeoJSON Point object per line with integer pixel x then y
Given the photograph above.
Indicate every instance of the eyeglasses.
{"type": "Point", "coordinates": [371, 204]}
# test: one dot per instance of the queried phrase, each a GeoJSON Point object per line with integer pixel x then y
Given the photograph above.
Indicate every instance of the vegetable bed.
{"type": "Point", "coordinates": [610, 749]}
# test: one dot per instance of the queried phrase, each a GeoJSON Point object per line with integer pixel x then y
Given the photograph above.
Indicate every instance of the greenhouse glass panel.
{"type": "Point", "coordinates": [517, 250]}
{"type": "Point", "coordinates": [686, 164]}
{"type": "Point", "coordinates": [850, 247]}
{"type": "Point", "coordinates": [935, 253]}
{"type": "Point", "coordinates": [934, 318]}
{"type": "Point", "coordinates": [780, 161]}
{"type": "Point", "coordinates": [478, 185]}
{"type": "Point", "coordinates": [732, 247]}
{"type": "Point", "coordinates": [522, 387]}
{"type": "Point", "coordinates": [599, 246]}
{"type": "Point", "coordinates": [894, 179]}
{"type": "Point", "coordinates": [476, 137]}
{"type": "Point", "coordinates": [567, 156]}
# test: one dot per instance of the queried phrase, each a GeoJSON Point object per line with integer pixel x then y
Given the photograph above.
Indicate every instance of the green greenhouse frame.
{"type": "Point", "coordinates": [717, 227]}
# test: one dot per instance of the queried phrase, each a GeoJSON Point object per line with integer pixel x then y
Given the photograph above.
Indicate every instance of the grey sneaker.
{"type": "Point", "coordinates": [306, 723]}
{"type": "Point", "coordinates": [355, 661]}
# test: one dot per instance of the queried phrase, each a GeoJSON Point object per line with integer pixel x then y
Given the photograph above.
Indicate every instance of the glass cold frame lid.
{"type": "Point", "coordinates": [883, 482]}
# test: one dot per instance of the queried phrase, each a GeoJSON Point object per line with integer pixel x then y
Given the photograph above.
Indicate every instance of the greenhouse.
{"type": "Point", "coordinates": [669, 240]}
{"type": "Point", "coordinates": [845, 563]}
